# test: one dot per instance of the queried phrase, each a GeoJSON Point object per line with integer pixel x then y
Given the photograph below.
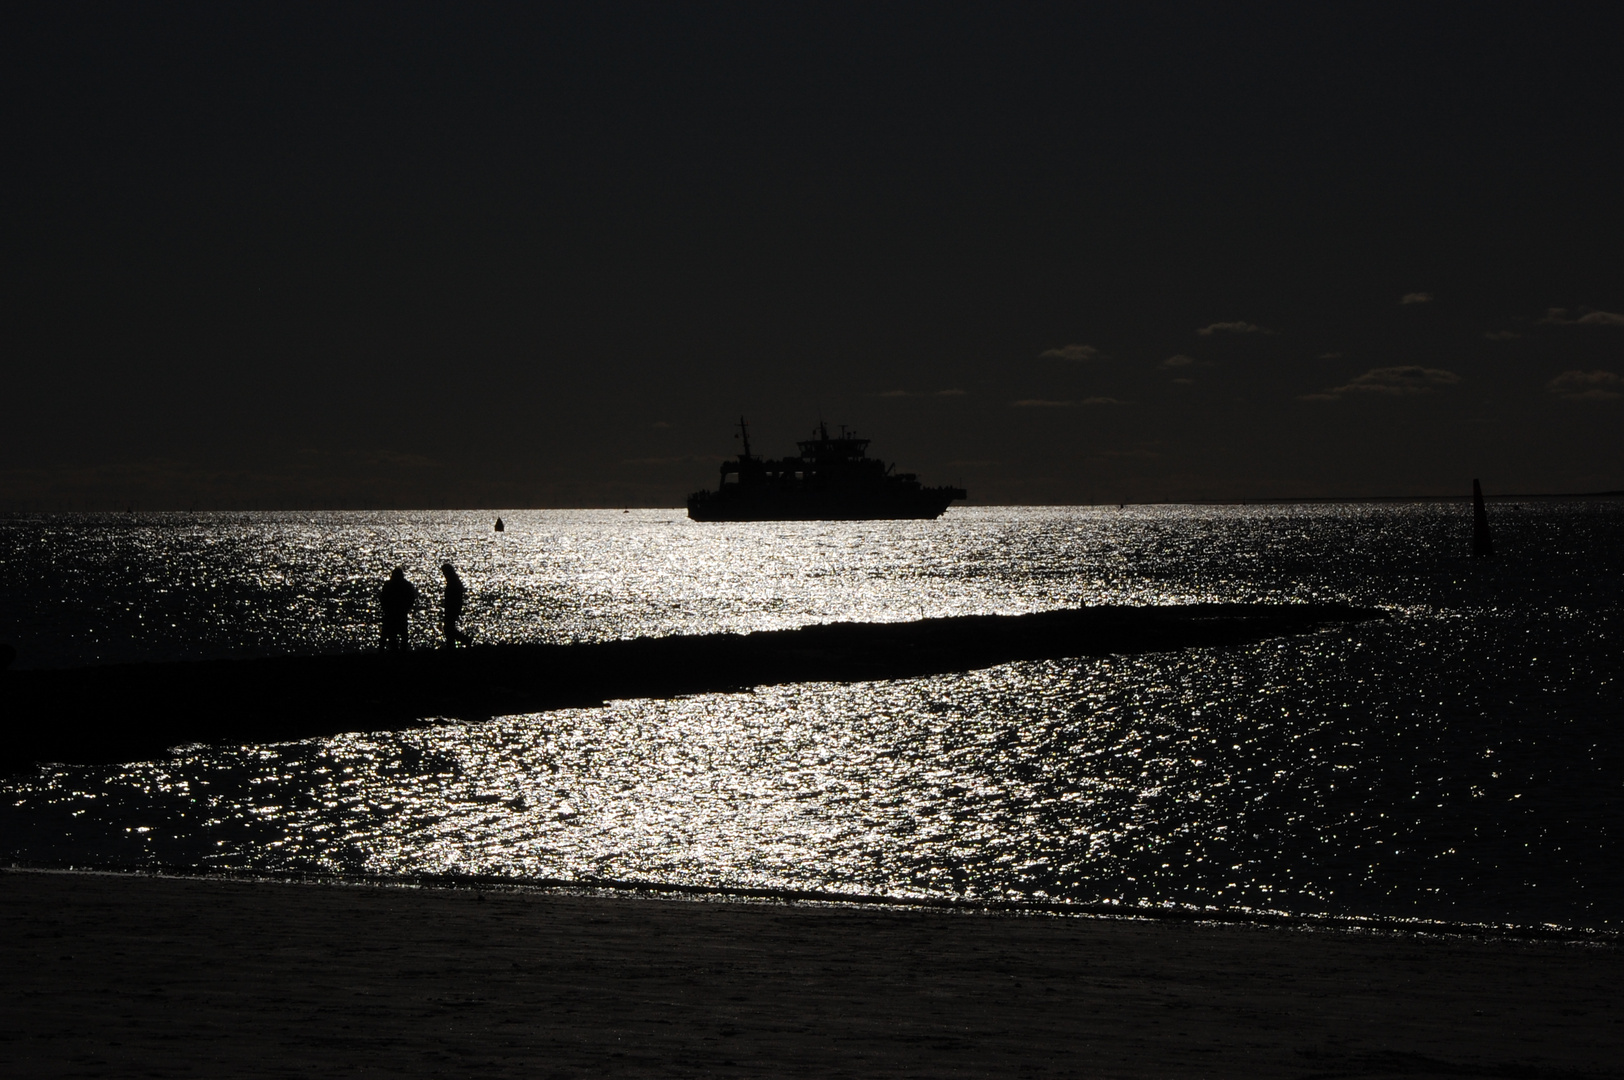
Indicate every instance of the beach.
{"type": "Point", "coordinates": [113, 974]}
{"type": "Point", "coordinates": [677, 540]}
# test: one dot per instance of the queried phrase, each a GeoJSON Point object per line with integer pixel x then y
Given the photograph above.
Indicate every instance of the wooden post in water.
{"type": "Point", "coordinates": [1482, 544]}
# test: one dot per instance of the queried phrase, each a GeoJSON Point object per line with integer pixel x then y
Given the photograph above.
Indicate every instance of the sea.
{"type": "Point", "coordinates": [1460, 761]}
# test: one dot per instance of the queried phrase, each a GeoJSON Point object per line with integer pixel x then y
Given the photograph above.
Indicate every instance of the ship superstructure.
{"type": "Point", "coordinates": [832, 479]}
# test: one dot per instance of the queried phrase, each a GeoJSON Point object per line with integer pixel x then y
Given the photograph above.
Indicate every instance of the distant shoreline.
{"type": "Point", "coordinates": [1467, 497]}
{"type": "Point", "coordinates": [1269, 500]}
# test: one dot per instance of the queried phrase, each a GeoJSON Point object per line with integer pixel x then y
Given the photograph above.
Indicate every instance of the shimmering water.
{"type": "Point", "coordinates": [1463, 760]}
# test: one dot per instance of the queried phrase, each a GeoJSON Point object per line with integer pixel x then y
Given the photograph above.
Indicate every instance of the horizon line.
{"type": "Point", "coordinates": [1248, 501]}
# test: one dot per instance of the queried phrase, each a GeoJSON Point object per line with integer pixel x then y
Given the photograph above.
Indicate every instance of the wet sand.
{"type": "Point", "coordinates": [117, 976]}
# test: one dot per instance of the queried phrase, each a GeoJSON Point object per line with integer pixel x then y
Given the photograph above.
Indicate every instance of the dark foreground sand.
{"type": "Point", "coordinates": [120, 976]}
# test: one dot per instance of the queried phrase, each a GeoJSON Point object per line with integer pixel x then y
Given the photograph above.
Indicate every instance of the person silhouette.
{"type": "Point", "coordinates": [396, 598]}
{"type": "Point", "coordinates": [454, 595]}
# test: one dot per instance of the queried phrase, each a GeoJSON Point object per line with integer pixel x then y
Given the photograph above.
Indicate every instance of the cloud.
{"type": "Point", "coordinates": [1502, 335]}
{"type": "Point", "coordinates": [1559, 317]}
{"type": "Point", "coordinates": [1044, 403]}
{"type": "Point", "coordinates": [1587, 386]}
{"type": "Point", "coordinates": [1179, 360]}
{"type": "Point", "coordinates": [1329, 356]}
{"type": "Point", "coordinates": [1404, 380]}
{"type": "Point", "coordinates": [1416, 298]}
{"type": "Point", "coordinates": [919, 393]}
{"type": "Point", "coordinates": [1232, 328]}
{"type": "Point", "coordinates": [1077, 353]}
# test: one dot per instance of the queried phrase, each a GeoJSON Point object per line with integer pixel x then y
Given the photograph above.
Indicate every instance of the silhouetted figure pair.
{"type": "Point", "coordinates": [397, 598]}
{"type": "Point", "coordinates": [454, 595]}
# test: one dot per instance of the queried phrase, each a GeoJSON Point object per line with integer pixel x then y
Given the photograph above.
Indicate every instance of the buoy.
{"type": "Point", "coordinates": [499, 526]}
{"type": "Point", "coordinates": [1482, 545]}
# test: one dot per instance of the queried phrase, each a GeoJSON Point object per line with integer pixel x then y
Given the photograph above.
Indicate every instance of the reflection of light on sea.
{"type": "Point", "coordinates": [181, 585]}
{"type": "Point", "coordinates": [1105, 779]}
{"type": "Point", "coordinates": [1359, 771]}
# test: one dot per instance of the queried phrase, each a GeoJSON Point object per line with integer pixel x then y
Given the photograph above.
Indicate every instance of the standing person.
{"type": "Point", "coordinates": [396, 597]}
{"type": "Point", "coordinates": [454, 594]}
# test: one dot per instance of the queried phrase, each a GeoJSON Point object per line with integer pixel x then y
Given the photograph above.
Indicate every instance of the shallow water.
{"type": "Point", "coordinates": [1459, 761]}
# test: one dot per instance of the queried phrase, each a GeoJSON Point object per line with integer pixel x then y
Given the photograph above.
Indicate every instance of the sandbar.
{"type": "Point", "coordinates": [135, 712]}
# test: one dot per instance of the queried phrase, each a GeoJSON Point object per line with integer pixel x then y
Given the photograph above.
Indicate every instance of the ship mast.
{"type": "Point", "coordinates": [744, 433]}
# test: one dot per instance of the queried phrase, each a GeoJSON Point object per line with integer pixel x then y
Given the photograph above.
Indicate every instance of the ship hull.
{"type": "Point", "coordinates": [792, 506]}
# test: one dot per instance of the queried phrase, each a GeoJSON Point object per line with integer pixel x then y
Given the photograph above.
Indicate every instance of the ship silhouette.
{"type": "Point", "coordinates": [833, 479]}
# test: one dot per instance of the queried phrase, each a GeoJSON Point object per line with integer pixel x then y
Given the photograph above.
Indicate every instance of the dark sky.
{"type": "Point", "coordinates": [426, 255]}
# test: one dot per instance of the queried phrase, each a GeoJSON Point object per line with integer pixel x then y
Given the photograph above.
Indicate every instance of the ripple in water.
{"type": "Point", "coordinates": [1461, 761]}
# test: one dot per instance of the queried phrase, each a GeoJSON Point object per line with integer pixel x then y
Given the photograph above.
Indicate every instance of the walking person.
{"type": "Point", "coordinates": [396, 598]}
{"type": "Point", "coordinates": [454, 596]}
